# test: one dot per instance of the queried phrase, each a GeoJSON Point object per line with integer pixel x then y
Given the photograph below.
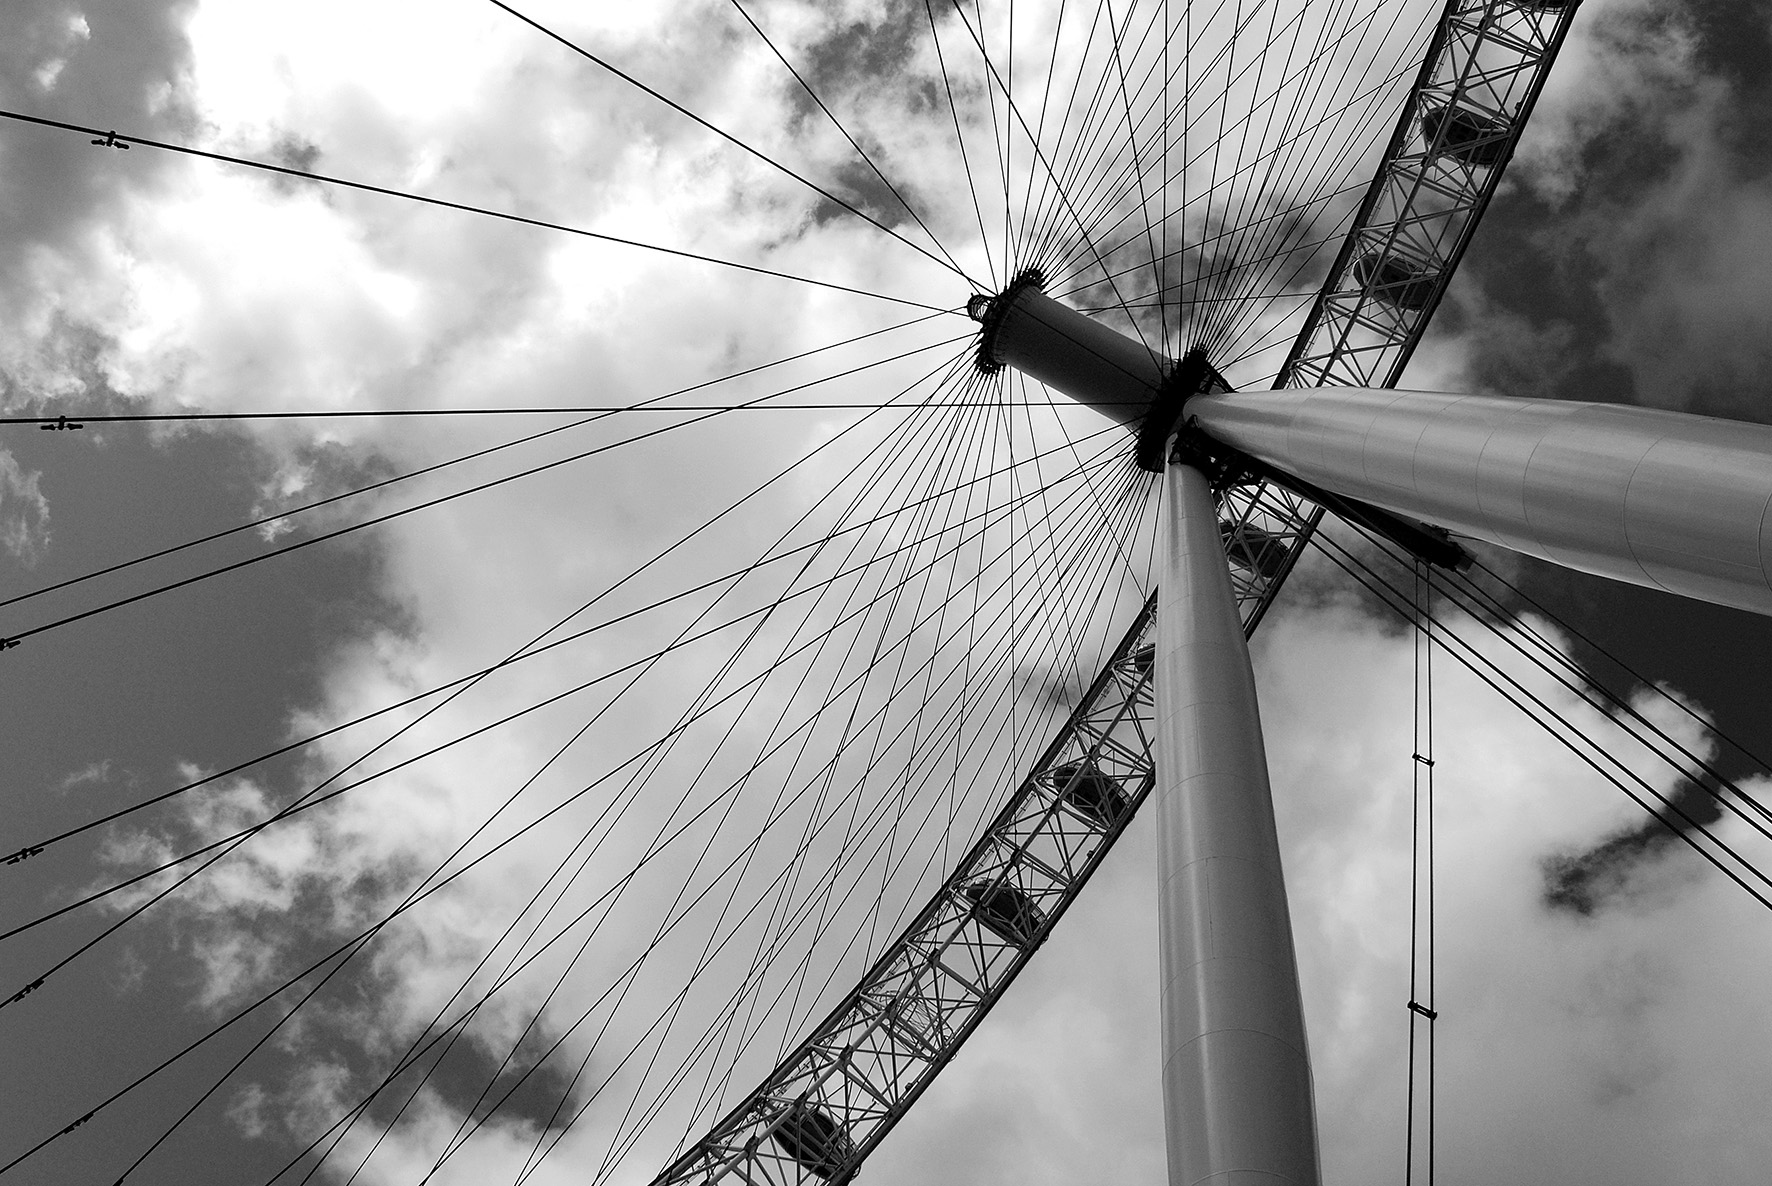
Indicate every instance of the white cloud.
{"type": "Point", "coordinates": [24, 511]}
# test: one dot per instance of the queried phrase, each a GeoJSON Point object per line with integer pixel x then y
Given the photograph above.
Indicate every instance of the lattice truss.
{"type": "Point", "coordinates": [1483, 72]}
{"type": "Point", "coordinates": [834, 1098]}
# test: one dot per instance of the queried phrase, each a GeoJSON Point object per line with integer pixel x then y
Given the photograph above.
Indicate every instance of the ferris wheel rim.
{"type": "Point", "coordinates": [1124, 304]}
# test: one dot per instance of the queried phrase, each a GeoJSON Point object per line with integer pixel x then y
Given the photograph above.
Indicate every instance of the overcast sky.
{"type": "Point", "coordinates": [1626, 258]}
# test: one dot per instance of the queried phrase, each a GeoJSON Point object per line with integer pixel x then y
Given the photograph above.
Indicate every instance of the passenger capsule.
{"type": "Point", "coordinates": [1142, 659]}
{"type": "Point", "coordinates": [1252, 548]}
{"type": "Point", "coordinates": [1394, 282]}
{"type": "Point", "coordinates": [1462, 133]}
{"type": "Point", "coordinates": [1005, 910]}
{"type": "Point", "coordinates": [811, 1137]}
{"type": "Point", "coordinates": [1082, 786]}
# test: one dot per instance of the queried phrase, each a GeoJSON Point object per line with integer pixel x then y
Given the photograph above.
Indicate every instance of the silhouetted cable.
{"type": "Point", "coordinates": [816, 188]}
{"type": "Point", "coordinates": [38, 846]}
{"type": "Point", "coordinates": [1587, 641]}
{"type": "Point", "coordinates": [600, 413]}
{"type": "Point", "coordinates": [464, 207]}
{"type": "Point", "coordinates": [599, 410]}
{"type": "Point", "coordinates": [1685, 828]}
{"type": "Point", "coordinates": [838, 124]}
{"type": "Point", "coordinates": [14, 639]}
{"type": "Point", "coordinates": [356, 943]}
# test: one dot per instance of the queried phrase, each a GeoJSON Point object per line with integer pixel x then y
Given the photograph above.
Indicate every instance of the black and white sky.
{"type": "Point", "coordinates": [1616, 1035]}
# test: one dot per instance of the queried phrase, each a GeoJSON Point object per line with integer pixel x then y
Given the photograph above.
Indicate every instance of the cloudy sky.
{"type": "Point", "coordinates": [1615, 1036]}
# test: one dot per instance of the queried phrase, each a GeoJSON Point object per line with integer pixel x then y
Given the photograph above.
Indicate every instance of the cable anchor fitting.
{"type": "Point", "coordinates": [1418, 1007]}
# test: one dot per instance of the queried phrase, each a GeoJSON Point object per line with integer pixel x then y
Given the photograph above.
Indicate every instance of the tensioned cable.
{"type": "Point", "coordinates": [1027, 196]}
{"type": "Point", "coordinates": [822, 192]}
{"type": "Point", "coordinates": [1040, 157]}
{"type": "Point", "coordinates": [960, 139]}
{"type": "Point", "coordinates": [631, 1053]}
{"type": "Point", "coordinates": [394, 413]}
{"type": "Point", "coordinates": [1243, 218]}
{"type": "Point", "coordinates": [1166, 130]}
{"type": "Point", "coordinates": [463, 207]}
{"type": "Point", "coordinates": [437, 501]}
{"type": "Point", "coordinates": [1243, 294]}
{"type": "Point", "coordinates": [1091, 152]}
{"type": "Point", "coordinates": [1096, 158]}
{"type": "Point", "coordinates": [314, 799]}
{"type": "Point", "coordinates": [1088, 149]}
{"type": "Point", "coordinates": [607, 675]}
{"type": "Point", "coordinates": [853, 142]}
{"type": "Point", "coordinates": [838, 124]}
{"type": "Point", "coordinates": [1473, 662]}
{"type": "Point", "coordinates": [1598, 697]}
{"type": "Point", "coordinates": [792, 697]}
{"type": "Point", "coordinates": [600, 413]}
{"type": "Point", "coordinates": [774, 937]}
{"type": "Point", "coordinates": [1092, 157]}
{"type": "Point", "coordinates": [307, 803]}
{"type": "Point", "coordinates": [1272, 155]}
{"type": "Point", "coordinates": [1588, 641]}
{"type": "Point", "coordinates": [1476, 602]}
{"type": "Point", "coordinates": [357, 942]}
{"type": "Point", "coordinates": [1000, 160]}
{"type": "Point", "coordinates": [1144, 202]}
{"type": "Point", "coordinates": [1421, 873]}
{"type": "Point", "coordinates": [1305, 98]}
{"type": "Point", "coordinates": [1346, 158]}
{"type": "Point", "coordinates": [37, 847]}
{"type": "Point", "coordinates": [557, 1135]}
{"type": "Point", "coordinates": [539, 922]}
{"type": "Point", "coordinates": [1034, 218]}
{"type": "Point", "coordinates": [438, 1019]}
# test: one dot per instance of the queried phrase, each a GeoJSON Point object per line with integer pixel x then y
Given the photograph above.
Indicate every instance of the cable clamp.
{"type": "Point", "coordinates": [1418, 1007]}
{"type": "Point", "coordinates": [26, 991]}
{"type": "Point", "coordinates": [1423, 760]}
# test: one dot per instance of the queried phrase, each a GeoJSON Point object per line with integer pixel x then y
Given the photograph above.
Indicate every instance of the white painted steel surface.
{"type": "Point", "coordinates": [1077, 355]}
{"type": "Point", "coordinates": [1236, 1068]}
{"type": "Point", "coordinates": [1663, 499]}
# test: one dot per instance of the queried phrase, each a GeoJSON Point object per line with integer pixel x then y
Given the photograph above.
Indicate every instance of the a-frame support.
{"type": "Point", "coordinates": [1236, 1066]}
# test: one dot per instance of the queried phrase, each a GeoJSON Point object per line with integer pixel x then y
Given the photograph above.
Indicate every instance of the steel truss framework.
{"type": "Point", "coordinates": [1485, 67]}
{"type": "Point", "coordinates": [834, 1097]}
{"type": "Point", "coordinates": [838, 1094]}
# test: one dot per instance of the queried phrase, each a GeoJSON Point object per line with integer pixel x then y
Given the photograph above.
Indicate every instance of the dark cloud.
{"type": "Point", "coordinates": [110, 64]}
{"type": "Point", "coordinates": [864, 189]}
{"type": "Point", "coordinates": [1627, 259]}
{"type": "Point", "coordinates": [1607, 876]}
{"type": "Point", "coordinates": [853, 56]}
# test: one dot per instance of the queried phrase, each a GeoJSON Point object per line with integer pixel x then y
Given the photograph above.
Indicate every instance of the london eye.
{"type": "Point", "coordinates": [630, 597]}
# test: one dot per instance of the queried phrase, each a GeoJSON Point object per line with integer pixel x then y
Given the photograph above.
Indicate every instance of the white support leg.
{"type": "Point", "coordinates": [1236, 1069]}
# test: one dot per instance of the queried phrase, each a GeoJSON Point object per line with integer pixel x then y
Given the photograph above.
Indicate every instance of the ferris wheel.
{"type": "Point", "coordinates": [702, 857]}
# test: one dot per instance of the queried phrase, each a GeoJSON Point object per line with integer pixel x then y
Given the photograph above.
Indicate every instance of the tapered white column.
{"type": "Point", "coordinates": [1236, 1070]}
{"type": "Point", "coordinates": [1663, 499]}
